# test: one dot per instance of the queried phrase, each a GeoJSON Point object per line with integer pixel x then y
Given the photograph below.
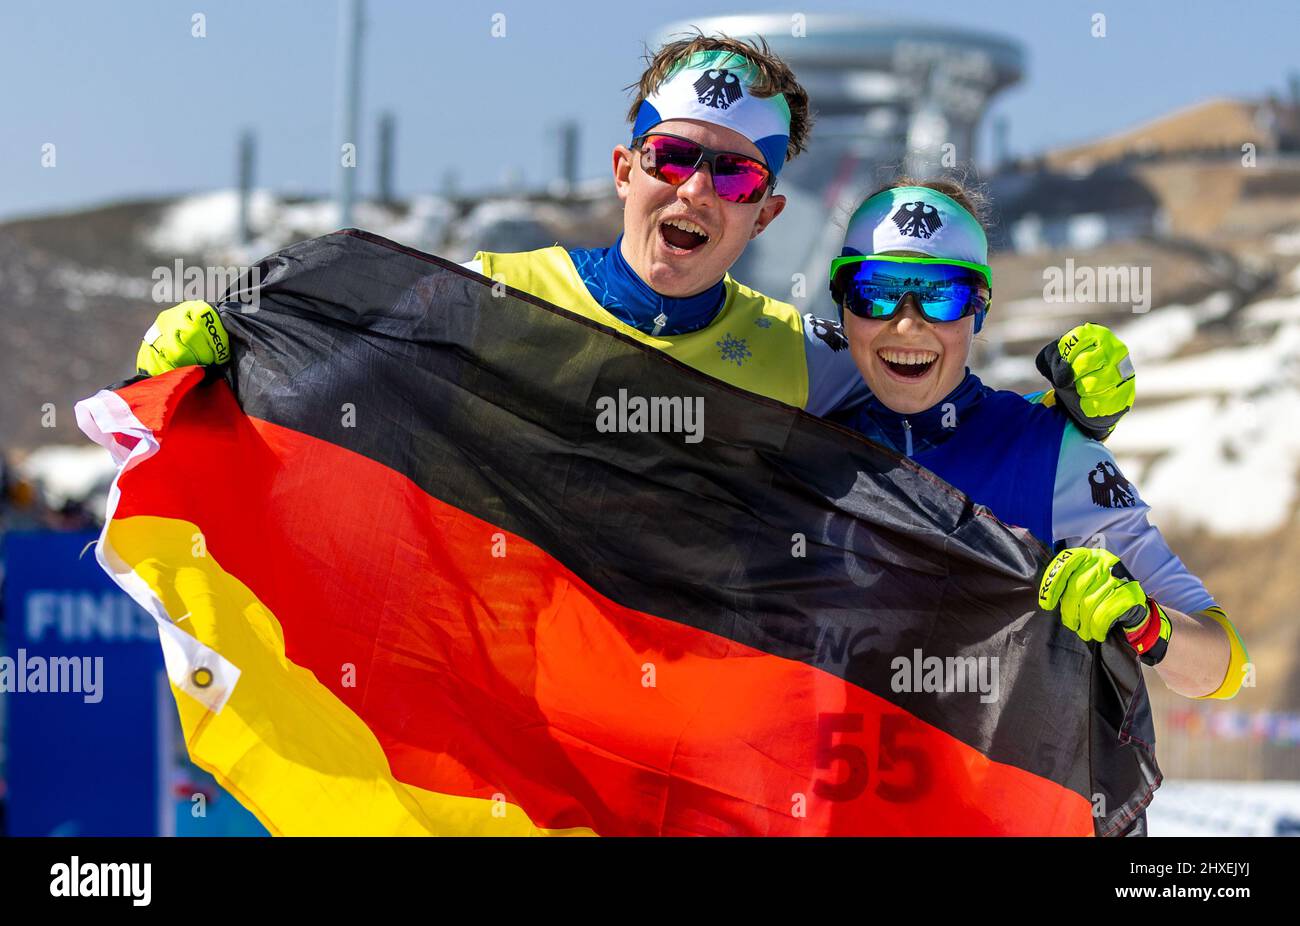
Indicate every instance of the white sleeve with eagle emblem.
{"type": "Point", "coordinates": [833, 378]}
{"type": "Point", "coordinates": [1094, 505]}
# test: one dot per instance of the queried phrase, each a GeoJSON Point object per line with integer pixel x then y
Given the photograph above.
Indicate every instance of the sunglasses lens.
{"type": "Point", "coordinates": [671, 160]}
{"type": "Point", "coordinates": [957, 301]}
{"type": "Point", "coordinates": [945, 292]}
{"type": "Point", "coordinates": [739, 180]}
{"type": "Point", "coordinates": [736, 178]}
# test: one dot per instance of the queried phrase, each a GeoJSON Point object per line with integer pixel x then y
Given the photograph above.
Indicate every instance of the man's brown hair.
{"type": "Point", "coordinates": [774, 76]}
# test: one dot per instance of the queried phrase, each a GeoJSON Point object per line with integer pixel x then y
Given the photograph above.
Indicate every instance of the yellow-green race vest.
{"type": "Point", "coordinates": [755, 343]}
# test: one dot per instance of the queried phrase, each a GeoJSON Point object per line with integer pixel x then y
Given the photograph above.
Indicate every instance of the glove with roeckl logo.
{"type": "Point", "coordinates": [1093, 592]}
{"type": "Point", "coordinates": [1092, 377]}
{"type": "Point", "coordinates": [185, 335]}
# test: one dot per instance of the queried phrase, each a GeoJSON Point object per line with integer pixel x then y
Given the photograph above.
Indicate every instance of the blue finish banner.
{"type": "Point", "coordinates": [92, 741]}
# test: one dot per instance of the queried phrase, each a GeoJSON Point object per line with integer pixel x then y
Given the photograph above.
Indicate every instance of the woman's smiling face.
{"type": "Point", "coordinates": [909, 362]}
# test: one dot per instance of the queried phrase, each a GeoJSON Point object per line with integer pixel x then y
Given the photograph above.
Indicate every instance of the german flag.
{"type": "Point", "coordinates": [407, 582]}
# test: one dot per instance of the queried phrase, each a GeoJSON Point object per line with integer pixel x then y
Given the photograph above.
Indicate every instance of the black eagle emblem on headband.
{"type": "Point", "coordinates": [717, 87]}
{"type": "Point", "coordinates": [920, 220]}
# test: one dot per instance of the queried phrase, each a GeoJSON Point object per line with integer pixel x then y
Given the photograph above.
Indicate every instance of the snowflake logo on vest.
{"type": "Point", "coordinates": [733, 350]}
{"type": "Point", "coordinates": [717, 87]}
{"type": "Point", "coordinates": [1109, 487]}
{"type": "Point", "coordinates": [919, 219]}
{"type": "Point", "coordinates": [829, 332]}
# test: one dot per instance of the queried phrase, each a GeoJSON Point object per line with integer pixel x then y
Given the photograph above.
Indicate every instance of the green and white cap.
{"type": "Point", "coordinates": [916, 218]}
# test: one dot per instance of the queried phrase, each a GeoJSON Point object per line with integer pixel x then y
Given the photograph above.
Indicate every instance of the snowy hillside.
{"type": "Point", "coordinates": [1213, 441]}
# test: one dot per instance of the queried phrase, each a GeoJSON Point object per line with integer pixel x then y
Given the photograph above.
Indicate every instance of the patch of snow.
{"type": "Point", "coordinates": [1008, 370]}
{"type": "Point", "coordinates": [1213, 307]}
{"type": "Point", "coordinates": [83, 287]}
{"type": "Point", "coordinates": [1229, 371]}
{"type": "Point", "coordinates": [1231, 466]}
{"type": "Point", "coordinates": [426, 224]}
{"type": "Point", "coordinates": [1271, 311]}
{"type": "Point", "coordinates": [1286, 243]}
{"type": "Point", "coordinates": [1158, 334]}
{"type": "Point", "coordinates": [208, 222]}
{"type": "Point", "coordinates": [1165, 331]}
{"type": "Point", "coordinates": [1027, 329]}
{"type": "Point", "coordinates": [1225, 454]}
{"type": "Point", "coordinates": [67, 473]}
{"type": "Point", "coordinates": [1154, 428]}
{"type": "Point", "coordinates": [1225, 808]}
{"type": "Point", "coordinates": [93, 284]}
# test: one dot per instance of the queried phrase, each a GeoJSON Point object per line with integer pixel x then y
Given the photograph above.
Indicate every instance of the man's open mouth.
{"type": "Point", "coordinates": [682, 234]}
{"type": "Point", "coordinates": [909, 364]}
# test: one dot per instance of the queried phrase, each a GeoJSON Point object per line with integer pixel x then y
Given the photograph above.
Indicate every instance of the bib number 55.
{"type": "Point", "coordinates": [905, 769]}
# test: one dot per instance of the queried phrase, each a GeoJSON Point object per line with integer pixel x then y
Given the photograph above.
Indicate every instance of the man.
{"type": "Point", "coordinates": [714, 120]}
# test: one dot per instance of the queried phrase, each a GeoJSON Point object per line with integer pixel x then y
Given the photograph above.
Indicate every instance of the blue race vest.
{"type": "Point", "coordinates": [1003, 454]}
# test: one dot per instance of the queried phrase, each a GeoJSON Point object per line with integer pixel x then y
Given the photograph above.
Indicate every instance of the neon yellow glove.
{"type": "Point", "coordinates": [1093, 590]}
{"type": "Point", "coordinates": [185, 335]}
{"type": "Point", "coordinates": [1093, 377]}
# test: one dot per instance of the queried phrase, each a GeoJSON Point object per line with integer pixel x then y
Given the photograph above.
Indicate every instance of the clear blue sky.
{"type": "Point", "coordinates": [138, 107]}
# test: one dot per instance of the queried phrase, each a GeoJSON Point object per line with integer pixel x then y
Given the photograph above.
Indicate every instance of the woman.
{"type": "Point", "coordinates": [913, 285]}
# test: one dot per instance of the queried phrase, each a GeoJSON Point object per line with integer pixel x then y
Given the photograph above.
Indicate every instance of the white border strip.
{"type": "Point", "coordinates": [100, 417]}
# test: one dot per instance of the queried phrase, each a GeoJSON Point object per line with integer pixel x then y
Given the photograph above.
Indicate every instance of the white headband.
{"type": "Point", "coordinates": [713, 86]}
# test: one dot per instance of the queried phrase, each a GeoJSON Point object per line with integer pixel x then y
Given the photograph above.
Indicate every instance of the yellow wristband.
{"type": "Point", "coordinates": [1236, 662]}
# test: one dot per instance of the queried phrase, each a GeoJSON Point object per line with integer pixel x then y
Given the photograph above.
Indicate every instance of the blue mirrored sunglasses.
{"type": "Point", "coordinates": [874, 286]}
